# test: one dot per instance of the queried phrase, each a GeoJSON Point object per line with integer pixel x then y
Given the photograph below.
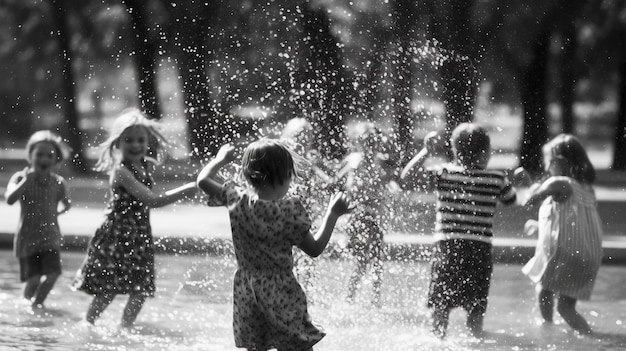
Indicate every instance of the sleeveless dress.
{"type": "Point", "coordinates": [269, 304]}
{"type": "Point", "coordinates": [120, 256]}
{"type": "Point", "coordinates": [569, 247]}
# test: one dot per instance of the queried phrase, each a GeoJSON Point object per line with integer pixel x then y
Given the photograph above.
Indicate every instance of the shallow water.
{"type": "Point", "coordinates": [192, 311]}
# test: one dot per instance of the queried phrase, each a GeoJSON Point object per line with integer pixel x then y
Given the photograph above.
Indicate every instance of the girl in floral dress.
{"type": "Point", "coordinates": [120, 256]}
{"type": "Point", "coordinates": [270, 307]}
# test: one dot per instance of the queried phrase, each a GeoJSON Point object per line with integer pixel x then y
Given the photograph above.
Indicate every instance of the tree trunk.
{"type": "Point", "coordinates": [568, 76]}
{"type": "Point", "coordinates": [68, 88]}
{"type": "Point", "coordinates": [145, 53]}
{"type": "Point", "coordinates": [192, 23]}
{"type": "Point", "coordinates": [323, 71]}
{"type": "Point", "coordinates": [402, 91]}
{"type": "Point", "coordinates": [619, 158]}
{"type": "Point", "coordinates": [534, 101]}
{"type": "Point", "coordinates": [452, 28]}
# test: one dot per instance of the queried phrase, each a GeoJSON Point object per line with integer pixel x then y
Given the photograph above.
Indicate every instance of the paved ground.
{"type": "Point", "coordinates": [191, 227]}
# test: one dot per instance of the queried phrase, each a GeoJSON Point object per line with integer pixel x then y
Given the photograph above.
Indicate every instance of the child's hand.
{"type": "Point", "coordinates": [521, 177]}
{"type": "Point", "coordinates": [339, 204]}
{"type": "Point", "coordinates": [430, 142]}
{"type": "Point", "coordinates": [531, 228]}
{"type": "Point", "coordinates": [226, 153]}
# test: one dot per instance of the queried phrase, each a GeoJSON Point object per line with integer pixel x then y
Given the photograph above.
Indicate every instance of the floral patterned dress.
{"type": "Point", "coordinates": [120, 256]}
{"type": "Point", "coordinates": [270, 307]}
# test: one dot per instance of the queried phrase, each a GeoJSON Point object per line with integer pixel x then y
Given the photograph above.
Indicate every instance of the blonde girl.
{"type": "Point", "coordinates": [120, 256]}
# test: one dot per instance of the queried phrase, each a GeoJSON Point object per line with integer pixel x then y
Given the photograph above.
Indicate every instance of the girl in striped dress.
{"type": "Point", "coordinates": [569, 248]}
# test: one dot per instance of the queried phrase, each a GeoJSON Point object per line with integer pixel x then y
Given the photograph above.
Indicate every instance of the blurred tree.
{"type": "Point", "coordinates": [453, 30]}
{"type": "Point", "coordinates": [190, 28]}
{"type": "Point", "coordinates": [146, 53]}
{"type": "Point", "coordinates": [324, 81]}
{"type": "Point", "coordinates": [68, 91]}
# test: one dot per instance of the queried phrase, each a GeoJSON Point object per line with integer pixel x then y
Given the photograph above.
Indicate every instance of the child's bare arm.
{"type": "Point", "coordinates": [123, 177]}
{"type": "Point", "coordinates": [416, 163]}
{"type": "Point", "coordinates": [559, 188]}
{"type": "Point", "coordinates": [207, 178]}
{"type": "Point", "coordinates": [315, 245]}
{"type": "Point", "coordinates": [418, 160]}
{"type": "Point", "coordinates": [16, 186]}
{"type": "Point", "coordinates": [65, 199]}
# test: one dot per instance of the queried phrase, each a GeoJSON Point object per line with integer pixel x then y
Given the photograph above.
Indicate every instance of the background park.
{"type": "Point", "coordinates": [231, 71]}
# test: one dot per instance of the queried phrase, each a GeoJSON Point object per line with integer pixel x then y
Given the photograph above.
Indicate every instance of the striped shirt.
{"type": "Point", "coordinates": [466, 202]}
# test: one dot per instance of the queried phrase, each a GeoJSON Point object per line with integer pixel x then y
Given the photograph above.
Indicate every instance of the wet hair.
{"type": "Point", "coordinates": [268, 162]}
{"type": "Point", "coordinates": [366, 136]}
{"type": "Point", "coordinates": [568, 149]}
{"type": "Point", "coordinates": [468, 142]}
{"type": "Point", "coordinates": [63, 150]}
{"type": "Point", "coordinates": [130, 118]}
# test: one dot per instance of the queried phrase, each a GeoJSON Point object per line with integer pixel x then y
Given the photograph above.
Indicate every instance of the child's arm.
{"type": "Point", "coordinates": [123, 177]}
{"type": "Point", "coordinates": [65, 198]}
{"type": "Point", "coordinates": [315, 245]}
{"type": "Point", "coordinates": [557, 187]}
{"type": "Point", "coordinates": [418, 160]}
{"type": "Point", "coordinates": [207, 178]}
{"type": "Point", "coordinates": [16, 185]}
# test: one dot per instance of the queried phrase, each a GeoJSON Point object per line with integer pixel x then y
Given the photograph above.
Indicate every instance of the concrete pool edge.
{"type": "Point", "coordinates": [412, 247]}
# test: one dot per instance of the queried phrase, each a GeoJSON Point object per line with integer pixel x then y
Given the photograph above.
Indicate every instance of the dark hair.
{"type": "Point", "coordinates": [267, 162]}
{"type": "Point", "coordinates": [63, 150]}
{"type": "Point", "coordinates": [568, 148]}
{"type": "Point", "coordinates": [468, 142]}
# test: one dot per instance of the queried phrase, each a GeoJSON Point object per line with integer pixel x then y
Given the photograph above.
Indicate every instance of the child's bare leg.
{"type": "Point", "coordinates": [32, 284]}
{"type": "Point", "coordinates": [546, 305]}
{"type": "Point", "coordinates": [475, 318]}
{"type": "Point", "coordinates": [567, 309]}
{"type": "Point", "coordinates": [132, 309]}
{"type": "Point", "coordinates": [440, 321]}
{"type": "Point", "coordinates": [97, 306]}
{"type": "Point", "coordinates": [45, 287]}
{"type": "Point", "coordinates": [358, 273]}
{"type": "Point", "coordinates": [377, 267]}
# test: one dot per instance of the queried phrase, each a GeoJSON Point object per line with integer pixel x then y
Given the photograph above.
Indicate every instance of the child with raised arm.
{"type": "Point", "coordinates": [120, 256]}
{"type": "Point", "coordinates": [366, 183]}
{"type": "Point", "coordinates": [270, 307]}
{"type": "Point", "coordinates": [569, 247]}
{"type": "Point", "coordinates": [467, 195]}
{"type": "Point", "coordinates": [39, 190]}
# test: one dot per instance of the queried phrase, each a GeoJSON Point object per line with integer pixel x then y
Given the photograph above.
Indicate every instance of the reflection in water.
{"type": "Point", "coordinates": [192, 311]}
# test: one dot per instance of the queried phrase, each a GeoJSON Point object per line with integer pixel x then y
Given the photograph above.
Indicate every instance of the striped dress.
{"type": "Point", "coordinates": [569, 248]}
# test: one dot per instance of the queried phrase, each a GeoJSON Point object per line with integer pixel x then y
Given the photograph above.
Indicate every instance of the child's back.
{"type": "Point", "coordinates": [467, 200]}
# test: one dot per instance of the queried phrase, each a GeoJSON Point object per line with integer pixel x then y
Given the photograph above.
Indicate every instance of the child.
{"type": "Point", "coordinates": [270, 307]}
{"type": "Point", "coordinates": [467, 195]}
{"type": "Point", "coordinates": [120, 256]}
{"type": "Point", "coordinates": [366, 179]}
{"type": "Point", "coordinates": [569, 248]}
{"type": "Point", "coordinates": [38, 239]}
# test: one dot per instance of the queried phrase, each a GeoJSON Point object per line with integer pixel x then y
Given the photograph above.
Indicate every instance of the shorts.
{"type": "Point", "coordinates": [42, 263]}
{"type": "Point", "coordinates": [460, 274]}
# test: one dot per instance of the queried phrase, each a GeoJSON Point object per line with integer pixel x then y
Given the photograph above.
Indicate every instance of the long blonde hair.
{"type": "Point", "coordinates": [129, 118]}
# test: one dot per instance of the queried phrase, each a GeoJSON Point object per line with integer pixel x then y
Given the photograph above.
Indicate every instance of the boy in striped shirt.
{"type": "Point", "coordinates": [467, 195]}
